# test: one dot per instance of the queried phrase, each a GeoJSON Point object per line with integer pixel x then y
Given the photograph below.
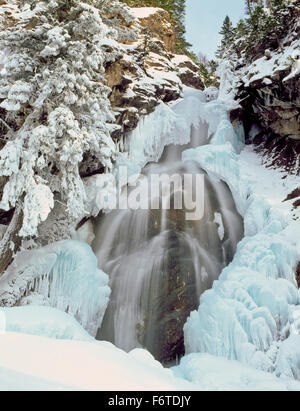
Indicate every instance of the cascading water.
{"type": "Point", "coordinates": [160, 263]}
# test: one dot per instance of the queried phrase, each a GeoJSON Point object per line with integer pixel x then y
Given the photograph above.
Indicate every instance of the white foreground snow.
{"type": "Point", "coordinates": [44, 363]}
{"type": "Point", "coordinates": [37, 363]}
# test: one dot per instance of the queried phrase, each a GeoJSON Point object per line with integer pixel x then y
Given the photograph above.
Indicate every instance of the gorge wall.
{"type": "Point", "coordinates": [268, 91]}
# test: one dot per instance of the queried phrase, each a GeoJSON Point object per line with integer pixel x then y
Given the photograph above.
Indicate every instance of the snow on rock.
{"type": "Point", "coordinates": [85, 233]}
{"type": "Point", "coordinates": [249, 311]}
{"type": "Point", "coordinates": [144, 12]}
{"type": "Point", "coordinates": [66, 274]}
{"type": "Point", "coordinates": [188, 71]}
{"type": "Point", "coordinates": [157, 22]}
{"type": "Point", "coordinates": [80, 365]}
{"type": "Point", "coordinates": [45, 322]}
{"type": "Point", "coordinates": [271, 83]}
{"type": "Point", "coordinates": [101, 193]}
{"type": "Point", "coordinates": [279, 61]}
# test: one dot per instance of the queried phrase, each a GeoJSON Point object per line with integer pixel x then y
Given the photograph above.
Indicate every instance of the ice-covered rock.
{"type": "Point", "coordinates": [43, 321]}
{"type": "Point", "coordinates": [66, 274]}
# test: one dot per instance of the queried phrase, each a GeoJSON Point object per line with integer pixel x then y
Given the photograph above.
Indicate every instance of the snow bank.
{"type": "Point", "coordinates": [43, 321]}
{"type": "Point", "coordinates": [38, 363]}
{"type": "Point", "coordinates": [249, 310]}
{"type": "Point", "coordinates": [66, 275]}
{"type": "Point", "coordinates": [57, 364]}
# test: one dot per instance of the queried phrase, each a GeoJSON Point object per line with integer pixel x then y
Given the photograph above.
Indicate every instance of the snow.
{"type": "Point", "coordinates": [101, 193]}
{"type": "Point", "coordinates": [286, 58]}
{"type": "Point", "coordinates": [80, 365]}
{"type": "Point", "coordinates": [221, 231]}
{"type": "Point", "coordinates": [66, 274]}
{"type": "Point", "coordinates": [17, 381]}
{"type": "Point", "coordinates": [85, 233]}
{"type": "Point", "coordinates": [59, 126]}
{"type": "Point", "coordinates": [181, 58]}
{"type": "Point", "coordinates": [144, 12]}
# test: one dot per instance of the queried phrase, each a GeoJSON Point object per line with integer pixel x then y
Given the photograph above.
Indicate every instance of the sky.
{"type": "Point", "coordinates": [204, 19]}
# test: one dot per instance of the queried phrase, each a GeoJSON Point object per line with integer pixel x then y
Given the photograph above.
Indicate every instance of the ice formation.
{"type": "Point", "coordinates": [66, 274]}
{"type": "Point", "coordinates": [251, 308]}
{"type": "Point", "coordinates": [43, 321]}
{"type": "Point", "coordinates": [212, 373]}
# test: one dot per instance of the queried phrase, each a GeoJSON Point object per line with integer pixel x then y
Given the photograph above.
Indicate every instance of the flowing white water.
{"type": "Point", "coordinates": [159, 263]}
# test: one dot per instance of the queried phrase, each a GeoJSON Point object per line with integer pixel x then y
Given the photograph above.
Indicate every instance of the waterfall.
{"type": "Point", "coordinates": [159, 263]}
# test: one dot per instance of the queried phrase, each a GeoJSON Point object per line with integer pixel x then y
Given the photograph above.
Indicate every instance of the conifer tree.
{"type": "Point", "coordinates": [54, 105]}
{"type": "Point", "coordinates": [227, 33]}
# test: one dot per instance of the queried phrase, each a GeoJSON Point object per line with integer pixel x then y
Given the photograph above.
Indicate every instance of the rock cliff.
{"type": "Point", "coordinates": [148, 72]}
{"type": "Point", "coordinates": [268, 89]}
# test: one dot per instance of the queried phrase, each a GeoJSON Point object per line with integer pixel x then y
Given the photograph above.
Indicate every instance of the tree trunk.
{"type": "Point", "coordinates": [11, 242]}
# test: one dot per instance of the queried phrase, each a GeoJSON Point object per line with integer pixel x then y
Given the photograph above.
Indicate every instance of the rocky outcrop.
{"type": "Point", "coordinates": [188, 72]}
{"type": "Point", "coordinates": [156, 22]}
{"type": "Point", "coordinates": [148, 73]}
{"type": "Point", "coordinates": [269, 95]}
{"type": "Point", "coordinates": [275, 103]}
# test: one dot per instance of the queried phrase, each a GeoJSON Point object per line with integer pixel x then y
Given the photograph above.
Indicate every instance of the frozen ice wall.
{"type": "Point", "coordinates": [254, 305]}
{"type": "Point", "coordinates": [63, 275]}
{"type": "Point", "coordinates": [43, 321]}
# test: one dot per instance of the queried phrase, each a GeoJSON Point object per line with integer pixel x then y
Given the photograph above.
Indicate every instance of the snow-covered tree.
{"type": "Point", "coordinates": [267, 24]}
{"type": "Point", "coordinates": [54, 105]}
{"type": "Point", "coordinates": [227, 33]}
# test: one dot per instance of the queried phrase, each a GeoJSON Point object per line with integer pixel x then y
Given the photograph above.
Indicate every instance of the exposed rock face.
{"type": "Point", "coordinates": [156, 21]}
{"type": "Point", "coordinates": [269, 93]}
{"type": "Point", "coordinates": [276, 105]}
{"type": "Point", "coordinates": [148, 72]}
{"type": "Point", "coordinates": [188, 72]}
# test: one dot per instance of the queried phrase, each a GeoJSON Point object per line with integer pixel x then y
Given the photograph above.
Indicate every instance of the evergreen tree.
{"type": "Point", "coordinates": [54, 104]}
{"type": "Point", "coordinates": [227, 33]}
{"type": "Point", "coordinates": [268, 22]}
{"type": "Point", "coordinates": [251, 4]}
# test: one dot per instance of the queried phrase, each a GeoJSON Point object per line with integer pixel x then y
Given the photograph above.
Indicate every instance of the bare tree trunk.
{"type": "Point", "coordinates": [11, 242]}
